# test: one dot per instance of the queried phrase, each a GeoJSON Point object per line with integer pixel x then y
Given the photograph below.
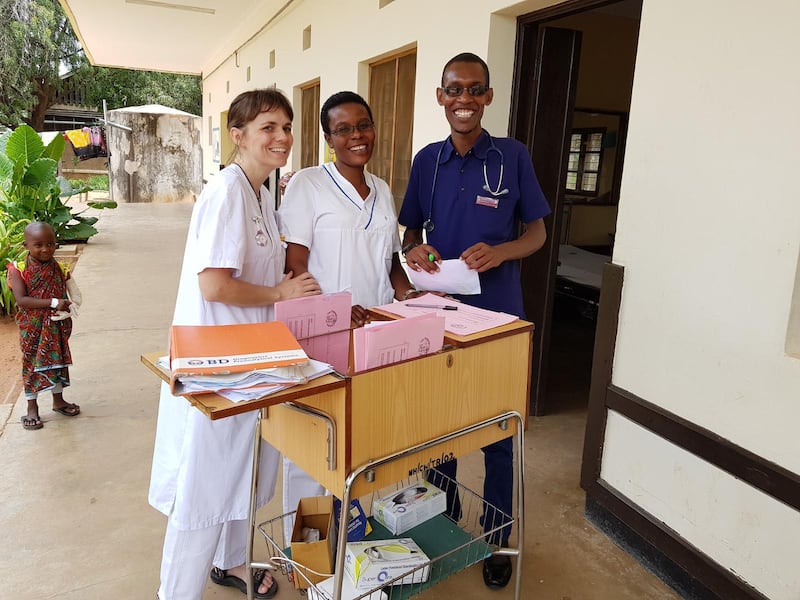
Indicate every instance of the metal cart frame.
{"type": "Point", "coordinates": [367, 471]}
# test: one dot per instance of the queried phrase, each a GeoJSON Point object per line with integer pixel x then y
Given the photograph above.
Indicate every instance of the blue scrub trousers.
{"type": "Point", "coordinates": [498, 488]}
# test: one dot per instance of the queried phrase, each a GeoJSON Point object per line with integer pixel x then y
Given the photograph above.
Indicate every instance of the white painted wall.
{"type": "Point", "coordinates": [756, 537]}
{"type": "Point", "coordinates": [709, 235]}
{"type": "Point", "coordinates": [709, 221]}
{"type": "Point", "coordinates": [347, 37]}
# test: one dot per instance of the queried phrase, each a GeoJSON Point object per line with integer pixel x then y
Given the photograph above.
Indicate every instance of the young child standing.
{"type": "Point", "coordinates": [39, 284]}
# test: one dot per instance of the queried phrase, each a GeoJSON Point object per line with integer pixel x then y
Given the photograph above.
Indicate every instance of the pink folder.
{"type": "Point", "coordinates": [315, 315]}
{"type": "Point", "coordinates": [387, 342]}
{"type": "Point", "coordinates": [321, 324]}
{"type": "Point", "coordinates": [332, 348]}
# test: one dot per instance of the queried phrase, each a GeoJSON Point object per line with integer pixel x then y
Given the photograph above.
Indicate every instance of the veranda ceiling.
{"type": "Point", "coordinates": [184, 36]}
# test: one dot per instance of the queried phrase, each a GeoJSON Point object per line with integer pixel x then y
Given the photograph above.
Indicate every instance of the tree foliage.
{"type": "Point", "coordinates": [38, 46]}
{"type": "Point", "coordinates": [38, 43]}
{"type": "Point", "coordinates": [14, 85]}
{"type": "Point", "coordinates": [126, 87]}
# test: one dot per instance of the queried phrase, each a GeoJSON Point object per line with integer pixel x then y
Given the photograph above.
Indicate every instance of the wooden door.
{"type": "Point", "coordinates": [547, 79]}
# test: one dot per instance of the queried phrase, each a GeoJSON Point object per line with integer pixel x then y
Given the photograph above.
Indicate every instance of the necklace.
{"type": "Point", "coordinates": [258, 220]}
{"type": "Point", "coordinates": [257, 192]}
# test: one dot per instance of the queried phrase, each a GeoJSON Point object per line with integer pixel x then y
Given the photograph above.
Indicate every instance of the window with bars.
{"type": "Point", "coordinates": [585, 161]}
{"type": "Point", "coordinates": [391, 97]}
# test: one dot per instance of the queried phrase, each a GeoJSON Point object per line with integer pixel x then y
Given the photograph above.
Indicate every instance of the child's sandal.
{"type": "Point", "coordinates": [30, 423]}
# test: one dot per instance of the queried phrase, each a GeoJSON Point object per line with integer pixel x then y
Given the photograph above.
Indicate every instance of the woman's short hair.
{"type": "Point", "coordinates": [338, 99]}
{"type": "Point", "coordinates": [247, 106]}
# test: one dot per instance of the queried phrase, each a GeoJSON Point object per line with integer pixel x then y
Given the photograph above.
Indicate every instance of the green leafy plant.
{"type": "Point", "coordinates": [30, 188]}
{"type": "Point", "coordinates": [11, 250]}
{"type": "Point", "coordinates": [99, 182]}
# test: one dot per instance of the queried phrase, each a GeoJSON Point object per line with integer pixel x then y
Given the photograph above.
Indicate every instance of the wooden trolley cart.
{"type": "Point", "coordinates": [360, 434]}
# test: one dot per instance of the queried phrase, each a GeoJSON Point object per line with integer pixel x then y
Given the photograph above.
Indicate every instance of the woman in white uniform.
{"type": "Point", "coordinates": [340, 224]}
{"type": "Point", "coordinates": [232, 273]}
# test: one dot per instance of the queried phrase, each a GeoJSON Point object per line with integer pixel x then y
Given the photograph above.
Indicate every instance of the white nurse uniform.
{"type": "Point", "coordinates": [202, 469]}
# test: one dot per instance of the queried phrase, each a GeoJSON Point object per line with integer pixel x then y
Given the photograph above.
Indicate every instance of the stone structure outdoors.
{"type": "Point", "coordinates": [160, 160]}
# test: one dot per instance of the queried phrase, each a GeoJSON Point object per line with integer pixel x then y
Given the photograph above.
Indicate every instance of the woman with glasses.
{"type": "Point", "coordinates": [338, 219]}
{"type": "Point", "coordinates": [339, 222]}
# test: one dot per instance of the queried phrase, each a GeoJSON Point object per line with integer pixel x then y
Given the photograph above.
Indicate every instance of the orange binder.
{"type": "Point", "coordinates": [222, 349]}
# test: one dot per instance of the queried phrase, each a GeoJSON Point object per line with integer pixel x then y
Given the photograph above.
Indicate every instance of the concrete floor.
{"type": "Point", "coordinates": [74, 516]}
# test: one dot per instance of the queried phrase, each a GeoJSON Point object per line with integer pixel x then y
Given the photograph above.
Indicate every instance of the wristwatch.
{"type": "Point", "coordinates": [408, 292]}
{"type": "Point", "coordinates": [408, 247]}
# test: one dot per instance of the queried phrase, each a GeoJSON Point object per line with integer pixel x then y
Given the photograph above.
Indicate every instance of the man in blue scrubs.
{"type": "Point", "coordinates": [469, 194]}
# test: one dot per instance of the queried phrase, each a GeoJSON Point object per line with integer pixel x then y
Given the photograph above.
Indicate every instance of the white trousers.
{"type": "Point", "coordinates": [296, 484]}
{"type": "Point", "coordinates": [189, 553]}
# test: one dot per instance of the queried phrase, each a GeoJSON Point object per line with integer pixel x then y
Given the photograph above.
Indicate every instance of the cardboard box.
{"type": "Point", "coordinates": [314, 513]}
{"type": "Point", "coordinates": [410, 506]}
{"type": "Point", "coordinates": [371, 564]}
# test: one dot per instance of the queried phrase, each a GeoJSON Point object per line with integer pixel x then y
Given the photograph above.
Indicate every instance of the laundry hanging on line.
{"type": "Point", "coordinates": [88, 142]}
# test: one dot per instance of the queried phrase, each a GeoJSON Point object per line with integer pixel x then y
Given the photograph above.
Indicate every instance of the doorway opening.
{"type": "Point", "coordinates": [575, 76]}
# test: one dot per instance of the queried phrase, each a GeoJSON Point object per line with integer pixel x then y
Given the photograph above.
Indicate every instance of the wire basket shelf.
{"type": "Point", "coordinates": [468, 532]}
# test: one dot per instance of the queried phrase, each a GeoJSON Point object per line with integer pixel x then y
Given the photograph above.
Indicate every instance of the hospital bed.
{"type": "Point", "coordinates": [579, 276]}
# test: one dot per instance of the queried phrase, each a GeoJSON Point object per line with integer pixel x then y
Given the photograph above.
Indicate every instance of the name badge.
{"type": "Point", "coordinates": [490, 202]}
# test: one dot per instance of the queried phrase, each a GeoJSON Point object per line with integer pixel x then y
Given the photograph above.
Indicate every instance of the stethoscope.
{"type": "Point", "coordinates": [428, 225]}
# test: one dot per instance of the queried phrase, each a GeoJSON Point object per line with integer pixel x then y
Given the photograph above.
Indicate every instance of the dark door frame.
{"type": "Point", "coordinates": [556, 76]}
{"type": "Point", "coordinates": [539, 270]}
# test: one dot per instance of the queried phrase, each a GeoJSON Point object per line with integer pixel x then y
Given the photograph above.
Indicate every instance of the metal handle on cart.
{"type": "Point", "coordinates": [501, 421]}
{"type": "Point", "coordinates": [313, 412]}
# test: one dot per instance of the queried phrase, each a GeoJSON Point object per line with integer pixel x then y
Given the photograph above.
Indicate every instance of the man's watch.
{"type": "Point", "coordinates": [408, 247]}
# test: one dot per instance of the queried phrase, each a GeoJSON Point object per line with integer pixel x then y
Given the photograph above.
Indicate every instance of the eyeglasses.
{"type": "Point", "coordinates": [454, 91]}
{"type": "Point", "coordinates": [351, 129]}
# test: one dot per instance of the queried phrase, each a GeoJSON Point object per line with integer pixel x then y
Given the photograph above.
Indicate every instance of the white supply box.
{"type": "Point", "coordinates": [371, 564]}
{"type": "Point", "coordinates": [324, 591]}
{"type": "Point", "coordinates": [410, 506]}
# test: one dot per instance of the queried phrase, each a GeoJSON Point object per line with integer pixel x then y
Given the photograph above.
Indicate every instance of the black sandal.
{"type": "Point", "coordinates": [30, 423]}
{"type": "Point", "coordinates": [221, 577]}
{"type": "Point", "coordinates": [68, 410]}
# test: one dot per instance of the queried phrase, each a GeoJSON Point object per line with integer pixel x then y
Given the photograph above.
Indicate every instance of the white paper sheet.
{"type": "Point", "coordinates": [465, 320]}
{"type": "Point", "coordinates": [254, 384]}
{"type": "Point", "coordinates": [453, 278]}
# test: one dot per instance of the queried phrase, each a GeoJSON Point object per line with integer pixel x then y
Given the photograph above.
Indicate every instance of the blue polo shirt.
{"type": "Point", "coordinates": [464, 213]}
